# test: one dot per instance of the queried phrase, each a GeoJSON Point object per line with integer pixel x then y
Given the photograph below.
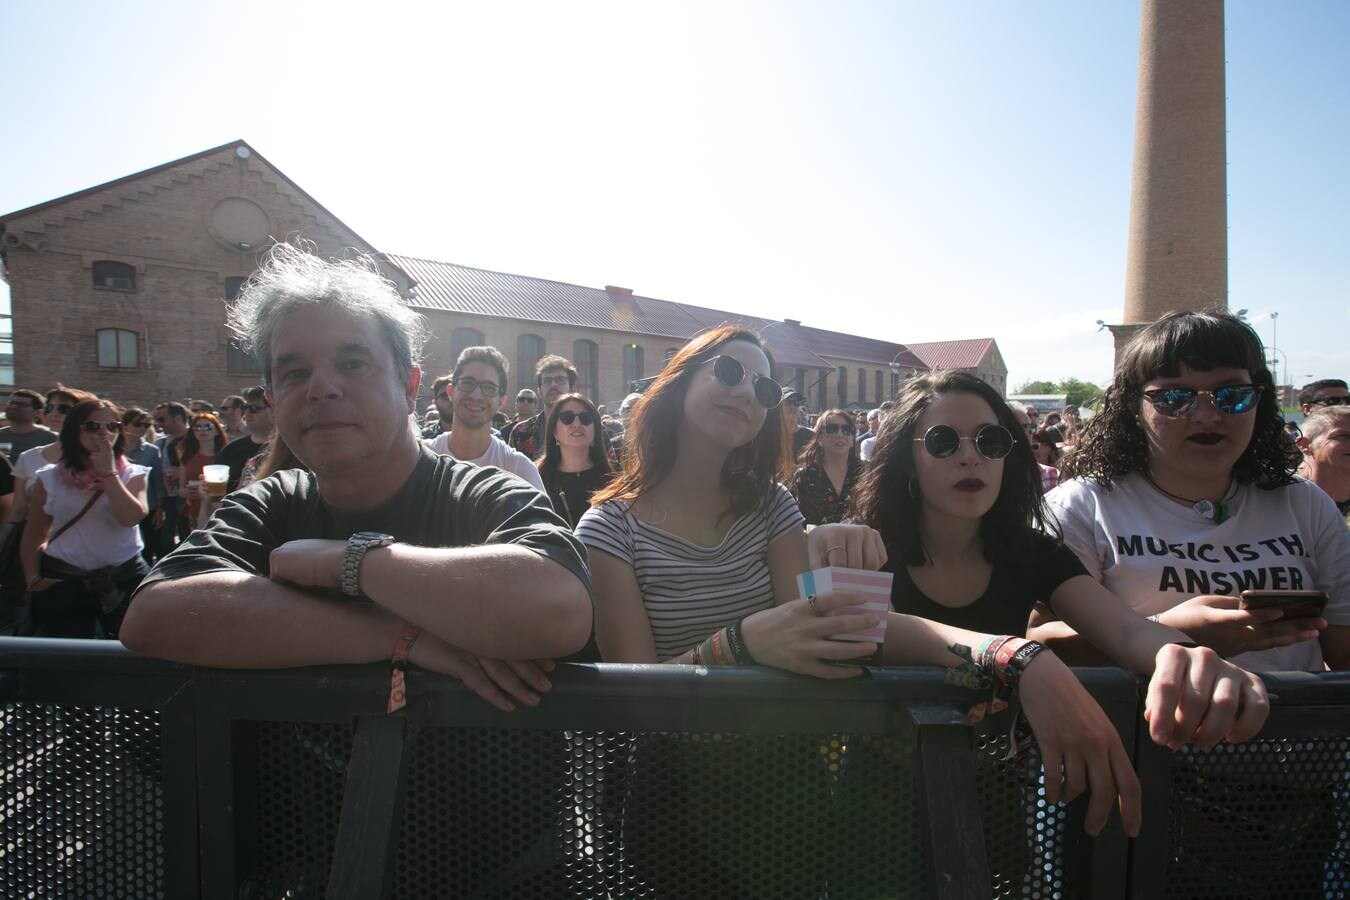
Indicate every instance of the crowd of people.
{"type": "Point", "coordinates": [488, 545]}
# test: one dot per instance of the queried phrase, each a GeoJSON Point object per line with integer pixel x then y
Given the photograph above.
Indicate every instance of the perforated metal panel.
{"type": "Point", "coordinates": [656, 815]}
{"type": "Point", "coordinates": [1268, 819]}
{"type": "Point", "coordinates": [302, 772]}
{"type": "Point", "coordinates": [1023, 833]}
{"type": "Point", "coordinates": [81, 813]}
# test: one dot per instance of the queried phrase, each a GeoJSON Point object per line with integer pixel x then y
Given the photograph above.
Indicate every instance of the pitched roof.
{"type": "Point", "coordinates": [448, 287]}
{"type": "Point", "coordinates": [66, 198]}
{"type": "Point", "coordinates": [965, 354]}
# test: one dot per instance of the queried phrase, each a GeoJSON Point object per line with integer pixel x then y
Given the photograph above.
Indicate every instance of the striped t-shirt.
{"type": "Point", "coordinates": [690, 590]}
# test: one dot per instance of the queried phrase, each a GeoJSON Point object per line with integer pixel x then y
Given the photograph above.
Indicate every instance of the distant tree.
{"type": "Point", "coordinates": [1076, 391]}
{"type": "Point", "coordinates": [1080, 393]}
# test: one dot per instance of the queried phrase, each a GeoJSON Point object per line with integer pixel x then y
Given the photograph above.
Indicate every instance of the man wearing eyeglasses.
{"type": "Point", "coordinates": [257, 415]}
{"type": "Point", "coordinates": [23, 432]}
{"type": "Point", "coordinates": [232, 417]}
{"type": "Point", "coordinates": [1327, 392]}
{"type": "Point", "coordinates": [475, 390]}
{"type": "Point", "coordinates": [555, 376]}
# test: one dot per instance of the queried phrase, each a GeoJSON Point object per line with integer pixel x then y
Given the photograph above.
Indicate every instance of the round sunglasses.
{"type": "Point", "coordinates": [96, 427]}
{"type": "Point", "coordinates": [1176, 403]}
{"type": "Point", "coordinates": [567, 417]}
{"type": "Point", "coordinates": [942, 441]}
{"type": "Point", "coordinates": [730, 372]}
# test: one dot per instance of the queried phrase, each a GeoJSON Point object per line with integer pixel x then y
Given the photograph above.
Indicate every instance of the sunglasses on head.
{"type": "Point", "coordinates": [942, 441]}
{"type": "Point", "coordinates": [467, 384]}
{"type": "Point", "coordinates": [255, 408]}
{"type": "Point", "coordinates": [1330, 401]}
{"type": "Point", "coordinates": [61, 408]}
{"type": "Point", "coordinates": [1233, 400]}
{"type": "Point", "coordinates": [96, 427]}
{"type": "Point", "coordinates": [835, 428]}
{"type": "Point", "coordinates": [567, 417]}
{"type": "Point", "coordinates": [730, 372]}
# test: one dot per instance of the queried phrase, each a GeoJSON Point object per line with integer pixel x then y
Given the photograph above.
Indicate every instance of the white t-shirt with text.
{"type": "Point", "coordinates": [1153, 552]}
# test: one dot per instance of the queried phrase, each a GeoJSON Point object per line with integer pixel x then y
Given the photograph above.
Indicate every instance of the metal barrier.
{"type": "Point", "coordinates": [127, 777]}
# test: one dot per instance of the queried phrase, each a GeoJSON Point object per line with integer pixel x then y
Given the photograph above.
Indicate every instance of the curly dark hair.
{"type": "Point", "coordinates": [749, 473]}
{"type": "Point", "coordinates": [885, 498]}
{"type": "Point", "coordinates": [1112, 443]}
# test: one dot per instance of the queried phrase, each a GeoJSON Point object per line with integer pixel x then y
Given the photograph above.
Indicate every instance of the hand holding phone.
{"type": "Point", "coordinates": [1294, 604]}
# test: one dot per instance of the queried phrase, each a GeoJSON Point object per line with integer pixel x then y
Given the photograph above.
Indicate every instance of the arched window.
{"type": "Point", "coordinates": [586, 357]}
{"type": "Point", "coordinates": [895, 383]}
{"type": "Point", "coordinates": [117, 348]}
{"type": "Point", "coordinates": [877, 383]}
{"type": "Point", "coordinates": [115, 276]}
{"type": "Point", "coordinates": [822, 390]}
{"type": "Point", "coordinates": [529, 350]}
{"type": "Point", "coordinates": [632, 364]}
{"type": "Point", "coordinates": [843, 386]}
{"type": "Point", "coordinates": [463, 338]}
{"type": "Point", "coordinates": [862, 385]}
{"type": "Point", "coordinates": [799, 382]}
{"type": "Point", "coordinates": [234, 286]}
{"type": "Point", "coordinates": [670, 353]}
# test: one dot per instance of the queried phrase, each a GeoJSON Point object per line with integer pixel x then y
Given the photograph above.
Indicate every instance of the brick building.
{"type": "Point", "coordinates": [122, 289]}
{"type": "Point", "coordinates": [978, 356]}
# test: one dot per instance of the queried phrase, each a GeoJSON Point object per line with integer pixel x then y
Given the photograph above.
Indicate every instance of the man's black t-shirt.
{"type": "Point", "coordinates": [1006, 604]}
{"type": "Point", "coordinates": [236, 455]}
{"type": "Point", "coordinates": [444, 503]}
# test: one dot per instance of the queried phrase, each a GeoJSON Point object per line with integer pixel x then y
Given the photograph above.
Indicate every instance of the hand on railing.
{"type": "Point", "coordinates": [1080, 747]}
{"type": "Point", "coordinates": [796, 635]}
{"type": "Point", "coordinates": [1216, 621]}
{"type": "Point", "coordinates": [1194, 697]}
{"type": "Point", "coordinates": [491, 679]}
{"type": "Point", "coordinates": [850, 546]}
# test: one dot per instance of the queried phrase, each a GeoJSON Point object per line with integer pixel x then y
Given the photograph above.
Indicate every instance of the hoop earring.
{"type": "Point", "coordinates": [913, 488]}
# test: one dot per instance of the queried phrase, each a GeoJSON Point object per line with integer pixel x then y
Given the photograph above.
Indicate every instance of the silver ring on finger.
{"type": "Point", "coordinates": [815, 610]}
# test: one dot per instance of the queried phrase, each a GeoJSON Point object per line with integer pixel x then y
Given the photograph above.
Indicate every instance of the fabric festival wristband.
{"type": "Point", "coordinates": [1022, 658]}
{"type": "Point", "coordinates": [398, 694]}
{"type": "Point", "coordinates": [1004, 656]}
{"type": "Point", "coordinates": [739, 651]}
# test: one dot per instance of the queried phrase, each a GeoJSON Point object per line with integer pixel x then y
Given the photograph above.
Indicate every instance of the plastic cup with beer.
{"type": "Point", "coordinates": [216, 478]}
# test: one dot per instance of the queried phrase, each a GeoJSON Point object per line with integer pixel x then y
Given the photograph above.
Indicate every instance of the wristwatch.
{"type": "Point", "coordinates": [357, 545]}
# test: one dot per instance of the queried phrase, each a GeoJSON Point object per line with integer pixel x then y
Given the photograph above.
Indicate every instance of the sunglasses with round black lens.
{"type": "Point", "coordinates": [731, 372]}
{"type": "Point", "coordinates": [567, 417]}
{"type": "Point", "coordinates": [993, 442]}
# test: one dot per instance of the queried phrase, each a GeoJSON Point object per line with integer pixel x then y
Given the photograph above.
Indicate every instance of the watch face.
{"type": "Point", "coordinates": [373, 537]}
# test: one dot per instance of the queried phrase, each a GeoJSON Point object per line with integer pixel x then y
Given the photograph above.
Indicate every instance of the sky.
{"type": "Point", "coordinates": [908, 171]}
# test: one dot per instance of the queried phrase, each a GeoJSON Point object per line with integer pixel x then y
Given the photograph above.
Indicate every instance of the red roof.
{"type": "Point", "coordinates": [965, 354]}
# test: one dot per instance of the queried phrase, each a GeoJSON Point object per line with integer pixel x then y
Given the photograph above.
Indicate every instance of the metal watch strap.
{"type": "Point", "coordinates": [357, 545]}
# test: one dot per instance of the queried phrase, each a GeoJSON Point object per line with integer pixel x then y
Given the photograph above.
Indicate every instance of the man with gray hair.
{"type": "Point", "coordinates": [1325, 445]}
{"type": "Point", "coordinates": [381, 549]}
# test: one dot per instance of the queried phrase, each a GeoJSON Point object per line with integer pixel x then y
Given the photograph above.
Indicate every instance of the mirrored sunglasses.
{"type": "Point", "coordinates": [1233, 400]}
{"type": "Point", "coordinates": [942, 441]}
{"type": "Point", "coordinates": [567, 417]}
{"type": "Point", "coordinates": [730, 372]}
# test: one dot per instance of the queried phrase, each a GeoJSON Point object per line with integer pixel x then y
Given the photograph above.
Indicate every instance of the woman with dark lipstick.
{"type": "Point", "coordinates": [1183, 495]}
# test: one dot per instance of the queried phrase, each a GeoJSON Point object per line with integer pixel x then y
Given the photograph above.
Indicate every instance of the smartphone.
{"type": "Point", "coordinates": [1296, 604]}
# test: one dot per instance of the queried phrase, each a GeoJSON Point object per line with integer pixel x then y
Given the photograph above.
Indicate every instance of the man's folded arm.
{"type": "Point", "coordinates": [231, 619]}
